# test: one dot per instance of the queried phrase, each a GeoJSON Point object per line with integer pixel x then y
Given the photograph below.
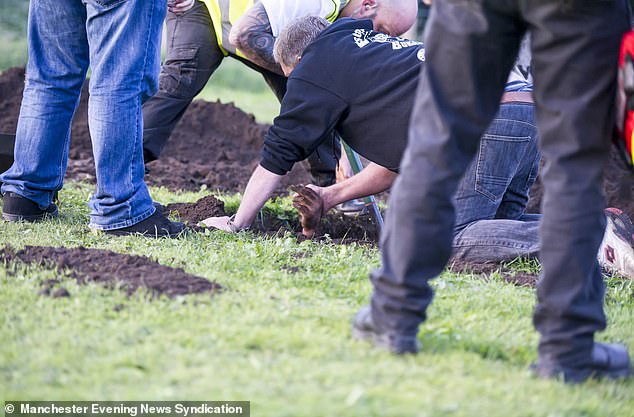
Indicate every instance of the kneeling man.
{"type": "Point", "coordinates": [362, 83]}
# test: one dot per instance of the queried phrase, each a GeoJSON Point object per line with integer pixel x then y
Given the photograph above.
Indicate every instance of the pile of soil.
{"type": "Point", "coordinates": [215, 145]}
{"type": "Point", "coordinates": [111, 269]}
{"type": "Point", "coordinates": [339, 228]}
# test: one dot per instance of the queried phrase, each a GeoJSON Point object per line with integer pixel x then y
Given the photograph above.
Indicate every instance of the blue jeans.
{"type": "Point", "coordinates": [491, 199]}
{"type": "Point", "coordinates": [120, 41]}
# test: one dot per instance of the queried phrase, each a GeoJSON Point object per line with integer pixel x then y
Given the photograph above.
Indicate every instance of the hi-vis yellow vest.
{"type": "Point", "coordinates": [224, 13]}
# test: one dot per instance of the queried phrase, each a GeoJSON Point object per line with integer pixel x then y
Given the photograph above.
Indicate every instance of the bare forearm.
{"type": "Point", "coordinates": [261, 186]}
{"type": "Point", "coordinates": [253, 36]}
{"type": "Point", "coordinates": [371, 180]}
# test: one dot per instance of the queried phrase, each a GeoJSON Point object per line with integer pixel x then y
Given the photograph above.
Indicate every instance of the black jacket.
{"type": "Point", "coordinates": [350, 79]}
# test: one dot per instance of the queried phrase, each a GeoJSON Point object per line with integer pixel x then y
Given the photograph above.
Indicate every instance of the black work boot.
{"type": "Point", "coordinates": [16, 208]}
{"type": "Point", "coordinates": [157, 225]}
{"type": "Point", "coordinates": [364, 328]}
{"type": "Point", "coordinates": [609, 361]}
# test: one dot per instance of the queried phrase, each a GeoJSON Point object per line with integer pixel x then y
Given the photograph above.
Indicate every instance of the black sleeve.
{"type": "Point", "coordinates": [308, 116]}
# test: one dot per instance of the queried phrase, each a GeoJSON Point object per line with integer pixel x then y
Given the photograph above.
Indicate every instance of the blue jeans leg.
{"type": "Point", "coordinates": [56, 69]}
{"type": "Point", "coordinates": [124, 39]}
{"type": "Point", "coordinates": [492, 196]}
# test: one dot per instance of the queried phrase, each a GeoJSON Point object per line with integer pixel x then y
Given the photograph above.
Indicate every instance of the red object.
{"type": "Point", "coordinates": [624, 137]}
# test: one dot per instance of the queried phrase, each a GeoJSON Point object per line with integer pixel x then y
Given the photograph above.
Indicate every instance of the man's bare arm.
{"type": "Point", "coordinates": [253, 36]}
{"type": "Point", "coordinates": [371, 180]}
{"type": "Point", "coordinates": [261, 186]}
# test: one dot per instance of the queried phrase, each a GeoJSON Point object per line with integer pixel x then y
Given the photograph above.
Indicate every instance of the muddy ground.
{"type": "Point", "coordinates": [335, 227]}
{"type": "Point", "coordinates": [214, 145]}
{"type": "Point", "coordinates": [217, 146]}
{"type": "Point", "coordinates": [111, 269]}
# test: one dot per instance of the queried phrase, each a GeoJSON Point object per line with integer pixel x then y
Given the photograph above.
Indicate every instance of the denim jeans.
{"type": "Point", "coordinates": [491, 199]}
{"type": "Point", "coordinates": [120, 41]}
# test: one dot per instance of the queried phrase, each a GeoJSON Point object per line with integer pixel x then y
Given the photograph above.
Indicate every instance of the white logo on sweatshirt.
{"type": "Point", "coordinates": [364, 37]}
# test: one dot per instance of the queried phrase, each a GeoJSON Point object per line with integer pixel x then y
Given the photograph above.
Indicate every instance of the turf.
{"type": "Point", "coordinates": [279, 335]}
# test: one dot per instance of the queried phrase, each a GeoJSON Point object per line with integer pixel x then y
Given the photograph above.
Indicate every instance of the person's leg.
{"type": "Point", "coordinates": [125, 39]}
{"type": "Point", "coordinates": [322, 163]}
{"type": "Point", "coordinates": [493, 193]}
{"type": "Point", "coordinates": [515, 200]}
{"type": "Point", "coordinates": [192, 56]}
{"type": "Point", "coordinates": [56, 69]}
{"type": "Point", "coordinates": [470, 53]}
{"type": "Point", "coordinates": [574, 115]}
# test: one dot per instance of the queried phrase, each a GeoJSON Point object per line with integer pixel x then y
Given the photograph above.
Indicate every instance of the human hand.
{"type": "Point", "coordinates": [223, 223]}
{"type": "Point", "coordinates": [310, 205]}
{"type": "Point", "coordinates": [179, 6]}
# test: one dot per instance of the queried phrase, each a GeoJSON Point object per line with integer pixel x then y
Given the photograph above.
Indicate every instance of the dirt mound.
{"type": "Point", "coordinates": [215, 145]}
{"type": "Point", "coordinates": [111, 269]}
{"type": "Point", "coordinates": [339, 228]}
{"type": "Point", "coordinates": [192, 213]}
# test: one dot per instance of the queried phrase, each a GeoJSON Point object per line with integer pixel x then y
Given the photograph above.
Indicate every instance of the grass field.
{"type": "Point", "coordinates": [276, 338]}
{"type": "Point", "coordinates": [279, 335]}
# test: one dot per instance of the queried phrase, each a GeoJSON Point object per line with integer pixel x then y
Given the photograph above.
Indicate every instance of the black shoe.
{"type": "Point", "coordinates": [16, 208]}
{"type": "Point", "coordinates": [158, 206]}
{"type": "Point", "coordinates": [607, 361]}
{"type": "Point", "coordinates": [157, 225]}
{"type": "Point", "coordinates": [363, 328]}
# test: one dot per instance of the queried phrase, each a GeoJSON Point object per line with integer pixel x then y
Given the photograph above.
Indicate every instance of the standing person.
{"type": "Point", "coordinates": [202, 34]}
{"type": "Point", "coordinates": [471, 47]}
{"type": "Point", "coordinates": [120, 41]}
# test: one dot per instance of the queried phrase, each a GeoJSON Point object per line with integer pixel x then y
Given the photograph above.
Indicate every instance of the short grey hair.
{"type": "Point", "coordinates": [294, 39]}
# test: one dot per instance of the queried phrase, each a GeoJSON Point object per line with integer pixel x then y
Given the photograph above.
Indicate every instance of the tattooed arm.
{"type": "Point", "coordinates": [253, 36]}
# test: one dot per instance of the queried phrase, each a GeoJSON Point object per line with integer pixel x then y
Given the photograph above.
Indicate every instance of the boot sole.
{"type": "Point", "coordinates": [115, 232]}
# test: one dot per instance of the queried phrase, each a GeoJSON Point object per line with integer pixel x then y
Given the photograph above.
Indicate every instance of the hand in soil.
{"type": "Point", "coordinates": [311, 208]}
{"type": "Point", "coordinates": [223, 223]}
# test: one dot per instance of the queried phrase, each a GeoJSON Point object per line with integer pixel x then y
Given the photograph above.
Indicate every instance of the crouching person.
{"type": "Point", "coordinates": [362, 83]}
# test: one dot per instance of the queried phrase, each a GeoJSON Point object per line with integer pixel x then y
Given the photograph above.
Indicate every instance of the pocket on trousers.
{"type": "Point", "coordinates": [498, 160]}
{"type": "Point", "coordinates": [178, 74]}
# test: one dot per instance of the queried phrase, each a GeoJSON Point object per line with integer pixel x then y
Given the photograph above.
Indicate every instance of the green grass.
{"type": "Point", "coordinates": [276, 338]}
{"type": "Point", "coordinates": [13, 17]}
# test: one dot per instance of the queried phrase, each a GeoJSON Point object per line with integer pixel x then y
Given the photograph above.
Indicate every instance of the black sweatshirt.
{"type": "Point", "coordinates": [350, 79]}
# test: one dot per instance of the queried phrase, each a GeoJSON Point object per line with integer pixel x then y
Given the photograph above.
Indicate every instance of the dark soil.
{"type": "Point", "coordinates": [339, 228]}
{"type": "Point", "coordinates": [215, 145]}
{"type": "Point", "coordinates": [192, 213]}
{"type": "Point", "coordinates": [111, 269]}
{"type": "Point", "coordinates": [520, 279]}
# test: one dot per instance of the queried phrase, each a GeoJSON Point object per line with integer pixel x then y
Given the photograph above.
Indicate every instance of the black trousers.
{"type": "Point", "coordinates": [471, 46]}
{"type": "Point", "coordinates": [192, 57]}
